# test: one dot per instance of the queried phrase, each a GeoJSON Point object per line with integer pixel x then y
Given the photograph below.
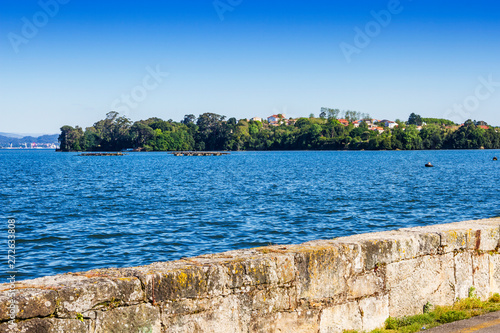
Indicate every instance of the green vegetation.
{"type": "Point", "coordinates": [211, 131]}
{"type": "Point", "coordinates": [438, 121]}
{"type": "Point", "coordinates": [462, 309]}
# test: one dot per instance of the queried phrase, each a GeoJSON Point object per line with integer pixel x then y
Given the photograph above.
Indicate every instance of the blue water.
{"type": "Point", "coordinates": [78, 213]}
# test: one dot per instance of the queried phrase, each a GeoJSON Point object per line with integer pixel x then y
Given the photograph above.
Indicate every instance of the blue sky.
{"type": "Point", "coordinates": [244, 59]}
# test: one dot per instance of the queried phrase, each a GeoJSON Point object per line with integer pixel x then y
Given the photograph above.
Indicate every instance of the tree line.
{"type": "Point", "coordinates": [211, 131]}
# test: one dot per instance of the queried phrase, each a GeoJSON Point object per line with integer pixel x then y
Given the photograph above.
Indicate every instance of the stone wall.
{"type": "Point", "coordinates": [322, 286]}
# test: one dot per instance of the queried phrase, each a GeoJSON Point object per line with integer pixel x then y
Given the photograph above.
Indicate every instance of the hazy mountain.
{"type": "Point", "coordinates": [11, 135]}
{"type": "Point", "coordinates": [5, 141]}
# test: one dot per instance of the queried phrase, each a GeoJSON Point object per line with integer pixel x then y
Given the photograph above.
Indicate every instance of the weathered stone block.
{"type": "Point", "coordinates": [214, 275]}
{"type": "Point", "coordinates": [374, 311]}
{"type": "Point", "coordinates": [186, 282]}
{"type": "Point", "coordinates": [47, 325]}
{"type": "Point", "coordinates": [187, 306]}
{"type": "Point", "coordinates": [143, 318]}
{"type": "Point", "coordinates": [262, 301]}
{"type": "Point", "coordinates": [413, 283]}
{"type": "Point", "coordinates": [370, 283]}
{"type": "Point", "coordinates": [188, 278]}
{"type": "Point", "coordinates": [483, 235]}
{"type": "Point", "coordinates": [332, 268]}
{"type": "Point", "coordinates": [205, 314]}
{"type": "Point", "coordinates": [268, 300]}
{"type": "Point", "coordinates": [80, 293]}
{"type": "Point", "coordinates": [261, 269]}
{"type": "Point", "coordinates": [31, 303]}
{"type": "Point", "coordinates": [481, 275]}
{"type": "Point", "coordinates": [367, 314]}
{"type": "Point", "coordinates": [301, 321]}
{"type": "Point", "coordinates": [463, 274]}
{"type": "Point", "coordinates": [224, 315]}
{"type": "Point", "coordinates": [382, 248]}
{"type": "Point", "coordinates": [494, 269]}
{"type": "Point", "coordinates": [341, 317]}
{"type": "Point", "coordinates": [323, 269]}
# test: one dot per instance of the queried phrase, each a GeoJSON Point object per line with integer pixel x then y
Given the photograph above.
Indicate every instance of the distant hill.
{"type": "Point", "coordinates": [6, 141]}
{"type": "Point", "coordinates": [22, 135]}
{"type": "Point", "coordinates": [11, 135]}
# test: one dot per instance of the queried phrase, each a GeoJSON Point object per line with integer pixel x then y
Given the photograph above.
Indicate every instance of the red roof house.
{"type": "Point", "coordinates": [344, 122]}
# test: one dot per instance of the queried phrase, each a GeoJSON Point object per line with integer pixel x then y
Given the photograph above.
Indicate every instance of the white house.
{"type": "Point", "coordinates": [369, 121]}
{"type": "Point", "coordinates": [275, 119]}
{"type": "Point", "coordinates": [378, 128]}
{"type": "Point", "coordinates": [390, 124]}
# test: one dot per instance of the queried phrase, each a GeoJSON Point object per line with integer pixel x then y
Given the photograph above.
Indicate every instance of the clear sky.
{"type": "Point", "coordinates": [71, 61]}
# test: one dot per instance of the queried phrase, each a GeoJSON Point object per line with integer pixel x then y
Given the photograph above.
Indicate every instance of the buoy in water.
{"type": "Point", "coordinates": [495, 158]}
{"type": "Point", "coordinates": [429, 165]}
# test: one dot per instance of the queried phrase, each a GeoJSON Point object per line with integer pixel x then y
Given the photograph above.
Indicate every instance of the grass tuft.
{"type": "Point", "coordinates": [451, 316]}
{"type": "Point", "coordinates": [495, 298]}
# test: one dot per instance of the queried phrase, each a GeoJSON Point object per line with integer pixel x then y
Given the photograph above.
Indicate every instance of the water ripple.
{"type": "Point", "coordinates": [76, 214]}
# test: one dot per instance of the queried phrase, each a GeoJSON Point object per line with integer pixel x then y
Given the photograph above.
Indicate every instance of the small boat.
{"type": "Point", "coordinates": [429, 165]}
{"type": "Point", "coordinates": [495, 158]}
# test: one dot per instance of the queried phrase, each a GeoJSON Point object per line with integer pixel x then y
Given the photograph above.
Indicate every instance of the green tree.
{"type": "Point", "coordinates": [415, 119]}
{"type": "Point", "coordinates": [212, 134]}
{"type": "Point", "coordinates": [411, 139]}
{"type": "Point", "coordinates": [351, 116]}
{"type": "Point", "coordinates": [189, 119]}
{"type": "Point", "coordinates": [468, 136]}
{"type": "Point", "coordinates": [438, 121]}
{"type": "Point", "coordinates": [71, 139]}
{"type": "Point", "coordinates": [113, 132]}
{"type": "Point", "coordinates": [432, 136]}
{"type": "Point", "coordinates": [332, 113]}
{"type": "Point", "coordinates": [140, 134]}
{"type": "Point", "coordinates": [91, 139]}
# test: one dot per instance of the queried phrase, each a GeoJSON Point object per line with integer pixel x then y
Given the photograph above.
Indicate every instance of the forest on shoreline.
{"type": "Point", "coordinates": [212, 132]}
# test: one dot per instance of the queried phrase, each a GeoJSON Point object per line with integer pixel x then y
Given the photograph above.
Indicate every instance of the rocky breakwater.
{"type": "Point", "coordinates": [321, 286]}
